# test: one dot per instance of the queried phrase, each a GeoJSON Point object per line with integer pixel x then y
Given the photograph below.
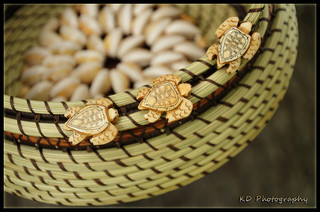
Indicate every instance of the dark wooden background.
{"type": "Point", "coordinates": [280, 162]}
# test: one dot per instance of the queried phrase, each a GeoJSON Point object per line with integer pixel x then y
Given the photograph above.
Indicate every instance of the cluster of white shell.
{"type": "Point", "coordinates": [71, 62]}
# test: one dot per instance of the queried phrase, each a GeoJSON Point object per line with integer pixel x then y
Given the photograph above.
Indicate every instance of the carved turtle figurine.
{"type": "Point", "coordinates": [95, 119]}
{"type": "Point", "coordinates": [234, 43]}
{"type": "Point", "coordinates": [166, 95]}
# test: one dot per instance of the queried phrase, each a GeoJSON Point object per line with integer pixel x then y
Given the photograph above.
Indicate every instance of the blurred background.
{"type": "Point", "coordinates": [280, 162]}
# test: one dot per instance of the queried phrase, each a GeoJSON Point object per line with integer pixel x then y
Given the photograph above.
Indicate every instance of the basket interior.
{"type": "Point", "coordinates": [22, 29]}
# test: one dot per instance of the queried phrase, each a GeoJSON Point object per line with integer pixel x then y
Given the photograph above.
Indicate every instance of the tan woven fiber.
{"type": "Point", "coordinates": [163, 162]}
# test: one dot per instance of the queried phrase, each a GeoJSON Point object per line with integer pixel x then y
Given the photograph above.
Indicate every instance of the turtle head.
{"type": "Point", "coordinates": [113, 114]}
{"type": "Point", "coordinates": [185, 89]}
{"type": "Point", "coordinates": [246, 27]}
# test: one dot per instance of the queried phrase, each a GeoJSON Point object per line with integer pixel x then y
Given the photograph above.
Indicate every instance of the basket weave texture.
{"type": "Point", "coordinates": [148, 159]}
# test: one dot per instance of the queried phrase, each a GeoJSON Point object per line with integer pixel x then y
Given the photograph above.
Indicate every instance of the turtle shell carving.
{"type": "Point", "coordinates": [233, 44]}
{"type": "Point", "coordinates": [94, 120]}
{"type": "Point", "coordinates": [166, 95]}
{"type": "Point", "coordinates": [163, 97]}
{"type": "Point", "coordinates": [91, 120]}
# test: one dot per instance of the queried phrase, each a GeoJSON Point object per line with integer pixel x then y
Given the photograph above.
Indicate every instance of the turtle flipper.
{"type": "Point", "coordinates": [142, 93]}
{"type": "Point", "coordinates": [105, 136]}
{"type": "Point", "coordinates": [113, 115]}
{"type": "Point", "coordinates": [153, 116]}
{"type": "Point", "coordinates": [71, 111]}
{"type": "Point", "coordinates": [77, 138]}
{"type": "Point", "coordinates": [233, 66]}
{"type": "Point", "coordinates": [100, 101]}
{"type": "Point", "coordinates": [254, 46]}
{"type": "Point", "coordinates": [212, 51]}
{"type": "Point", "coordinates": [185, 89]}
{"type": "Point", "coordinates": [227, 24]}
{"type": "Point", "coordinates": [167, 77]}
{"type": "Point", "coordinates": [183, 111]}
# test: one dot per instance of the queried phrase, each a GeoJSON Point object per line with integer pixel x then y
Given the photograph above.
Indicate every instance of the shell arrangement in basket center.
{"type": "Point", "coordinates": [95, 50]}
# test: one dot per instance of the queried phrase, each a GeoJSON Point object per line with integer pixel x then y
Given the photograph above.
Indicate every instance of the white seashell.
{"type": "Point", "coordinates": [25, 68]}
{"type": "Point", "coordinates": [64, 47]}
{"type": "Point", "coordinates": [166, 57]}
{"type": "Point", "coordinates": [165, 12]}
{"type": "Point", "coordinates": [99, 95]}
{"type": "Point", "coordinates": [125, 18]}
{"type": "Point", "coordinates": [191, 50]}
{"type": "Point", "coordinates": [139, 23]}
{"type": "Point", "coordinates": [112, 41]}
{"type": "Point", "coordinates": [73, 35]}
{"type": "Point", "coordinates": [40, 91]}
{"type": "Point", "coordinates": [156, 71]}
{"type": "Point", "coordinates": [107, 19]}
{"type": "Point", "coordinates": [166, 42]}
{"type": "Point", "coordinates": [89, 9]}
{"type": "Point", "coordinates": [24, 90]}
{"type": "Point", "coordinates": [139, 8]}
{"type": "Point", "coordinates": [179, 65]}
{"type": "Point", "coordinates": [155, 29]}
{"type": "Point", "coordinates": [132, 70]}
{"type": "Point", "coordinates": [36, 55]}
{"type": "Point", "coordinates": [52, 24]}
{"type": "Point", "coordinates": [81, 93]}
{"type": "Point", "coordinates": [119, 81]}
{"type": "Point", "coordinates": [89, 25]}
{"type": "Point", "coordinates": [65, 87]}
{"type": "Point", "coordinates": [101, 84]}
{"type": "Point", "coordinates": [84, 56]}
{"type": "Point", "coordinates": [139, 56]}
{"type": "Point", "coordinates": [33, 74]}
{"type": "Point", "coordinates": [182, 27]}
{"type": "Point", "coordinates": [141, 83]}
{"type": "Point", "coordinates": [55, 60]}
{"type": "Point", "coordinates": [86, 72]}
{"type": "Point", "coordinates": [115, 7]}
{"type": "Point", "coordinates": [95, 43]}
{"type": "Point", "coordinates": [48, 37]}
{"type": "Point", "coordinates": [57, 73]}
{"type": "Point", "coordinates": [58, 99]}
{"type": "Point", "coordinates": [129, 43]}
{"type": "Point", "coordinates": [69, 18]}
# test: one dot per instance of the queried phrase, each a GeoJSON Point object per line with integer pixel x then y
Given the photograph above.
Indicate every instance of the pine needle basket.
{"type": "Point", "coordinates": [146, 160]}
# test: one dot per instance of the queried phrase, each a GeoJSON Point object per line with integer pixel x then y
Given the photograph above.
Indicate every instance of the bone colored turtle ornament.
{"type": "Point", "coordinates": [93, 120]}
{"type": "Point", "coordinates": [234, 43]}
{"type": "Point", "coordinates": [166, 95]}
